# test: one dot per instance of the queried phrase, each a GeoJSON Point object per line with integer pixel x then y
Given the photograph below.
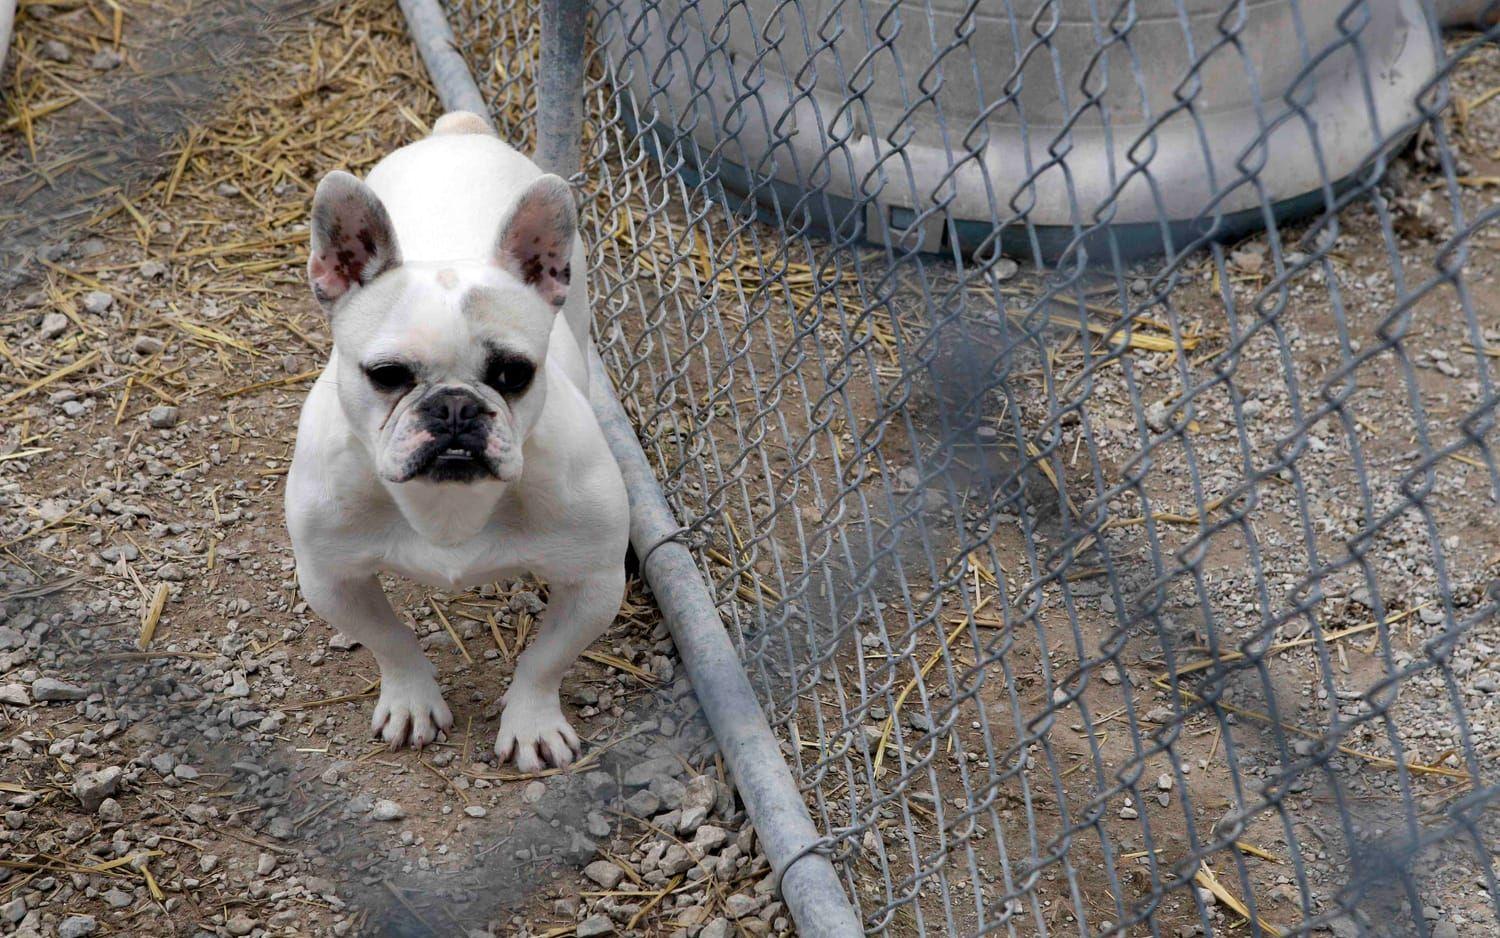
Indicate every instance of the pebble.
{"type": "Point", "coordinates": [740, 905]}
{"type": "Point", "coordinates": [147, 345]}
{"type": "Point", "coordinates": [596, 924]}
{"type": "Point", "coordinates": [118, 898]}
{"type": "Point", "coordinates": [265, 864]}
{"type": "Point", "coordinates": [153, 269]}
{"type": "Point", "coordinates": [105, 59]}
{"type": "Point", "coordinates": [1005, 268]}
{"type": "Point", "coordinates": [718, 928]}
{"type": "Point", "coordinates": [533, 792]}
{"type": "Point", "coordinates": [51, 689]}
{"type": "Point", "coordinates": [1127, 813]}
{"type": "Point", "coordinates": [605, 873]}
{"type": "Point", "coordinates": [387, 810]}
{"type": "Point", "coordinates": [77, 926]}
{"type": "Point", "coordinates": [57, 51]}
{"type": "Point", "coordinates": [53, 325]}
{"type": "Point", "coordinates": [240, 925]}
{"type": "Point", "coordinates": [643, 803]}
{"type": "Point", "coordinates": [14, 910]}
{"type": "Point", "coordinates": [15, 695]}
{"type": "Point", "coordinates": [162, 416]}
{"type": "Point", "coordinates": [475, 810]}
{"type": "Point", "coordinates": [74, 408]}
{"type": "Point", "coordinates": [1164, 782]}
{"type": "Point", "coordinates": [97, 301]}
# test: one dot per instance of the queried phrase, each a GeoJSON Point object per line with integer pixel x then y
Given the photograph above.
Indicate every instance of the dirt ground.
{"type": "Point", "coordinates": [184, 747]}
{"type": "Point", "coordinates": [158, 335]}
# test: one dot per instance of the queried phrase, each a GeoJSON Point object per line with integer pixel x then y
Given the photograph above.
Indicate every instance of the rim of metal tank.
{"type": "Point", "coordinates": [1136, 216]}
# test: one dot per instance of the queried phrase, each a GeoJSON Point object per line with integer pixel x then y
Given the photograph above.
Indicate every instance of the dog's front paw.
{"type": "Point", "coordinates": [411, 711]}
{"type": "Point", "coordinates": [534, 731]}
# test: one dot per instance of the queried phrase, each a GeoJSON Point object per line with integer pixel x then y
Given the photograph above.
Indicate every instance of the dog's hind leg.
{"type": "Point", "coordinates": [411, 708]}
{"type": "Point", "coordinates": [533, 729]}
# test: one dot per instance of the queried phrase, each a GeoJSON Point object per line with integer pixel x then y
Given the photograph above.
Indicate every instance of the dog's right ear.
{"type": "Point", "coordinates": [352, 238]}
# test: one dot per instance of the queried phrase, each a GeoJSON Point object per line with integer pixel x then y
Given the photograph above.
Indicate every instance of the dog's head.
{"type": "Point", "coordinates": [440, 366]}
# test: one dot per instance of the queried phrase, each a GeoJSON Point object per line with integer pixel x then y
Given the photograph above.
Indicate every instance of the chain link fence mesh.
{"type": "Point", "coordinates": [1137, 578]}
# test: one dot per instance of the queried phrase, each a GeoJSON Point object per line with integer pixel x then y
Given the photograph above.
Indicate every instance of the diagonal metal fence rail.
{"type": "Point", "coordinates": [1083, 414]}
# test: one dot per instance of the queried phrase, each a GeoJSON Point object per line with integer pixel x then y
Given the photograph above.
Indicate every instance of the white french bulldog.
{"type": "Point", "coordinates": [450, 436]}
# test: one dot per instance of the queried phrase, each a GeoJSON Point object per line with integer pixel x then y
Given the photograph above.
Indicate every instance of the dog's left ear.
{"type": "Point", "coordinates": [536, 238]}
{"type": "Point", "coordinates": [353, 241]}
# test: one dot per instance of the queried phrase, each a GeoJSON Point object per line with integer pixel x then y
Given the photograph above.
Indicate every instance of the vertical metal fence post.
{"type": "Point", "coordinates": [810, 885]}
{"type": "Point", "coordinates": [559, 88]}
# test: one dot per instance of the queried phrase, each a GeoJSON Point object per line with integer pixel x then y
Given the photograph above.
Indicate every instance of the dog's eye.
{"type": "Point", "coordinates": [509, 375]}
{"type": "Point", "coordinates": [390, 376]}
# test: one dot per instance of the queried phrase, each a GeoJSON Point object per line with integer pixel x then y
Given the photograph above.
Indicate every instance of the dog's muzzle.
{"type": "Point", "coordinates": [458, 423]}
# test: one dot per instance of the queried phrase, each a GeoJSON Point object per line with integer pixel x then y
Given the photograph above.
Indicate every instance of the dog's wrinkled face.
{"type": "Point", "coordinates": [440, 366]}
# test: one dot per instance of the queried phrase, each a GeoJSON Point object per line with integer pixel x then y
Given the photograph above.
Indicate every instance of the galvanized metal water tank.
{"type": "Point", "coordinates": [1037, 121]}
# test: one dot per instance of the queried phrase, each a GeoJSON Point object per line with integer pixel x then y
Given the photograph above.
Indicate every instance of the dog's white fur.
{"type": "Point", "coordinates": [429, 280]}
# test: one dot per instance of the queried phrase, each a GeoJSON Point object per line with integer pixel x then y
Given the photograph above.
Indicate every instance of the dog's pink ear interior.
{"type": "Point", "coordinates": [536, 238]}
{"type": "Point", "coordinates": [352, 238]}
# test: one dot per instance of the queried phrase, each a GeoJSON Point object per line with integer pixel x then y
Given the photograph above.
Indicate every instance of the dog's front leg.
{"type": "Point", "coordinates": [411, 708]}
{"type": "Point", "coordinates": [532, 727]}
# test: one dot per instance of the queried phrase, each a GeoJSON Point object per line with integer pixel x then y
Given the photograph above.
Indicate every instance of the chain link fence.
{"type": "Point", "coordinates": [1084, 415]}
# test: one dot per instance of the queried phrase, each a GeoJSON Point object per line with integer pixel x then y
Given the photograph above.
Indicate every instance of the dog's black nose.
{"type": "Point", "coordinates": [454, 410]}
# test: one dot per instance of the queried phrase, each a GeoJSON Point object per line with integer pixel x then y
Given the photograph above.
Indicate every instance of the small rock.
{"type": "Point", "coordinates": [644, 773]}
{"type": "Point", "coordinates": [105, 59]}
{"type": "Point", "coordinates": [596, 924]}
{"type": "Point", "coordinates": [163, 762]}
{"type": "Point", "coordinates": [53, 325]}
{"type": "Point", "coordinates": [1251, 262]}
{"type": "Point", "coordinates": [185, 772]}
{"type": "Point", "coordinates": [718, 928]}
{"type": "Point", "coordinates": [533, 792]}
{"type": "Point", "coordinates": [643, 803]}
{"type": "Point", "coordinates": [110, 811]}
{"type": "Point", "coordinates": [1164, 782]}
{"type": "Point", "coordinates": [1444, 930]}
{"type": "Point", "coordinates": [91, 788]}
{"type": "Point", "coordinates": [153, 270]}
{"type": "Point", "coordinates": [14, 695]}
{"type": "Point", "coordinates": [74, 408]}
{"type": "Point", "coordinates": [14, 910]}
{"type": "Point", "coordinates": [387, 810]}
{"type": "Point", "coordinates": [77, 926]}
{"type": "Point", "coordinates": [475, 810]}
{"type": "Point", "coordinates": [1005, 268]}
{"type": "Point", "coordinates": [147, 345]}
{"type": "Point", "coordinates": [97, 301]}
{"type": "Point", "coordinates": [710, 838]}
{"type": "Point", "coordinates": [740, 905]}
{"type": "Point", "coordinates": [208, 862]}
{"type": "Point", "coordinates": [1127, 813]}
{"type": "Point", "coordinates": [10, 638]}
{"type": "Point", "coordinates": [162, 416]}
{"type": "Point", "coordinates": [50, 689]}
{"type": "Point", "coordinates": [605, 873]}
{"type": "Point", "coordinates": [240, 925]}
{"type": "Point", "coordinates": [114, 552]}
{"type": "Point", "coordinates": [265, 865]}
{"type": "Point", "coordinates": [118, 898]}
{"type": "Point", "coordinates": [57, 51]}
{"type": "Point", "coordinates": [171, 572]}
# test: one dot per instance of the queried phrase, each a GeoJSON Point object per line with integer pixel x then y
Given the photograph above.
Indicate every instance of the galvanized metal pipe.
{"type": "Point", "coordinates": [810, 885]}
{"type": "Point", "coordinates": [559, 87]}
{"type": "Point", "coordinates": [435, 43]}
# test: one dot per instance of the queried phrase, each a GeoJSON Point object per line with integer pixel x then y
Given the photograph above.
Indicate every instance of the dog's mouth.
{"type": "Point", "coordinates": [452, 461]}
